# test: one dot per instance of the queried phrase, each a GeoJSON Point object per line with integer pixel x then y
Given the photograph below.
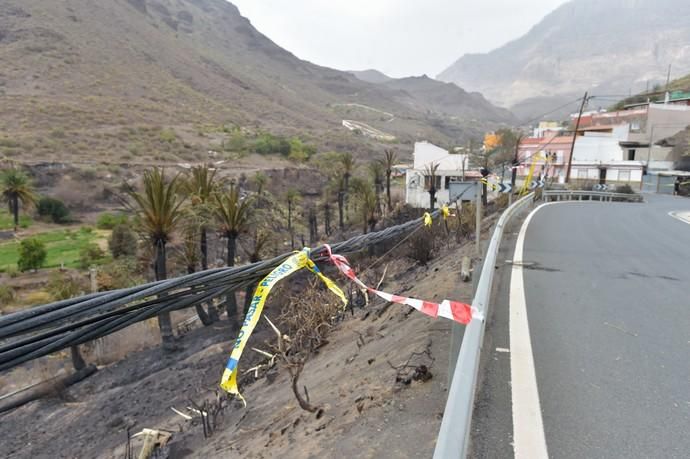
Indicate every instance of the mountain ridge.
{"type": "Point", "coordinates": [93, 72]}
{"type": "Point", "coordinates": [613, 47]}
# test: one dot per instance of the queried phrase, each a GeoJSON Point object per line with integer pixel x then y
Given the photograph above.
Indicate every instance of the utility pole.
{"type": "Point", "coordinates": [514, 167]}
{"type": "Point", "coordinates": [668, 76]}
{"type": "Point", "coordinates": [572, 147]}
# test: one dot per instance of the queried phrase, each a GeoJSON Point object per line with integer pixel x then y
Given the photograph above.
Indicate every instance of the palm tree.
{"type": "Point", "coordinates": [366, 197]}
{"type": "Point", "coordinates": [233, 214]}
{"type": "Point", "coordinates": [200, 187]}
{"type": "Point", "coordinates": [189, 254]}
{"type": "Point", "coordinates": [376, 170]}
{"type": "Point", "coordinates": [260, 240]}
{"type": "Point", "coordinates": [292, 196]}
{"type": "Point", "coordinates": [348, 163]}
{"type": "Point", "coordinates": [16, 187]}
{"type": "Point", "coordinates": [260, 179]}
{"type": "Point", "coordinates": [158, 207]}
{"type": "Point", "coordinates": [430, 177]}
{"type": "Point", "coordinates": [388, 162]}
{"type": "Point", "coordinates": [327, 210]}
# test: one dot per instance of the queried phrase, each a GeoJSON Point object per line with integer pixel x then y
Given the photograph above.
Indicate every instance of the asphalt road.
{"type": "Point", "coordinates": [607, 292]}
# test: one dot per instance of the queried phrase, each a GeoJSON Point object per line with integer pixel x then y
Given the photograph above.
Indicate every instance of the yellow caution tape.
{"type": "Point", "coordinates": [296, 262]}
{"type": "Point", "coordinates": [489, 184]}
{"type": "Point", "coordinates": [445, 211]}
{"type": "Point", "coordinates": [427, 219]}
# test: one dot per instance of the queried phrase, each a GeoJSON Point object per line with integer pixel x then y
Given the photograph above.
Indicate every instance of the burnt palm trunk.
{"type": "Point", "coordinates": [388, 189]}
{"type": "Point", "coordinates": [231, 301]}
{"type": "Point", "coordinates": [327, 218]}
{"type": "Point", "coordinates": [346, 199]}
{"type": "Point", "coordinates": [313, 226]}
{"type": "Point", "coordinates": [212, 312]}
{"type": "Point", "coordinates": [204, 248]}
{"type": "Point", "coordinates": [249, 289]}
{"type": "Point", "coordinates": [292, 236]}
{"type": "Point", "coordinates": [164, 321]}
{"type": "Point", "coordinates": [432, 199]}
{"type": "Point", "coordinates": [15, 211]}
{"type": "Point", "coordinates": [77, 360]}
{"type": "Point", "coordinates": [203, 317]}
{"type": "Point", "coordinates": [341, 203]}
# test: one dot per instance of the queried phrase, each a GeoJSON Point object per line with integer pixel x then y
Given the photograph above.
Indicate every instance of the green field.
{"type": "Point", "coordinates": [7, 221]}
{"type": "Point", "coordinates": [63, 246]}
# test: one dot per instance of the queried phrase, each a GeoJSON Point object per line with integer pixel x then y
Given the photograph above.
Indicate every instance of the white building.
{"type": "Point", "coordinates": [599, 157]}
{"type": "Point", "coordinates": [451, 167]}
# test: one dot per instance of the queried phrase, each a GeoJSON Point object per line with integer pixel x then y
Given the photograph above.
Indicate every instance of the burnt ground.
{"type": "Point", "coordinates": [365, 412]}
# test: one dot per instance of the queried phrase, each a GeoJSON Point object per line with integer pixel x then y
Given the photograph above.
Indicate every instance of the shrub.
{"type": "Point", "coordinates": [120, 273]}
{"type": "Point", "coordinates": [37, 297]}
{"type": "Point", "coordinates": [123, 242]}
{"type": "Point", "coordinates": [268, 144]}
{"type": "Point", "coordinates": [422, 246]}
{"type": "Point", "coordinates": [625, 189]}
{"type": "Point", "coordinates": [64, 286]}
{"type": "Point", "coordinates": [109, 221]}
{"type": "Point", "coordinates": [236, 142]}
{"type": "Point", "coordinates": [90, 255]}
{"type": "Point", "coordinates": [53, 208]}
{"type": "Point", "coordinates": [32, 254]}
{"type": "Point", "coordinates": [58, 133]}
{"type": "Point", "coordinates": [7, 294]}
{"type": "Point", "coordinates": [168, 135]}
{"type": "Point", "coordinates": [12, 271]}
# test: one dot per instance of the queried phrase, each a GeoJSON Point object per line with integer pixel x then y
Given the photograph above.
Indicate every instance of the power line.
{"type": "Point", "coordinates": [551, 111]}
{"type": "Point", "coordinates": [39, 331]}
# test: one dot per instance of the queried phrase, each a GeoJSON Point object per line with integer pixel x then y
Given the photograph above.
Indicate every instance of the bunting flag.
{"type": "Point", "coordinates": [453, 310]}
{"type": "Point", "coordinates": [293, 264]}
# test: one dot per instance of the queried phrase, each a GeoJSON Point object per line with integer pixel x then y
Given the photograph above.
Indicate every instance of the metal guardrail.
{"type": "Point", "coordinates": [578, 195]}
{"type": "Point", "coordinates": [454, 436]}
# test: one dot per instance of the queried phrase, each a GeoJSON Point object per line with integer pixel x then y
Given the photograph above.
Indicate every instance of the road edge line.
{"type": "Point", "coordinates": [674, 214]}
{"type": "Point", "coordinates": [529, 440]}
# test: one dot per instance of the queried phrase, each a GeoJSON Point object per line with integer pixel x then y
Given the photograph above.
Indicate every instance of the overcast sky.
{"type": "Point", "coordinates": [398, 37]}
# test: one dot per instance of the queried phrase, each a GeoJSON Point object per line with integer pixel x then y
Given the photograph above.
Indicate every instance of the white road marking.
{"type": "Point", "coordinates": [502, 349]}
{"type": "Point", "coordinates": [529, 441]}
{"type": "Point", "coordinates": [681, 215]}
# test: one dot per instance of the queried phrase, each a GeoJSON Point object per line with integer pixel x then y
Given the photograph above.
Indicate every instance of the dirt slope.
{"type": "Point", "coordinates": [365, 413]}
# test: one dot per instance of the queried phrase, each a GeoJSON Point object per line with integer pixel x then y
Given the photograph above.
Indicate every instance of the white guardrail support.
{"type": "Point", "coordinates": [454, 437]}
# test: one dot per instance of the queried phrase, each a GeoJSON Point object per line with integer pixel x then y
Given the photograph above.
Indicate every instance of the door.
{"type": "Point", "coordinates": [602, 176]}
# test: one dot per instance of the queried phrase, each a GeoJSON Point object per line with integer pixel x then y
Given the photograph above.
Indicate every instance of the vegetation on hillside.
{"type": "Point", "coordinates": [656, 94]}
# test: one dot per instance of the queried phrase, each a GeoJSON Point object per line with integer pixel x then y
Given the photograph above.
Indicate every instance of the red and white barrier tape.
{"type": "Point", "coordinates": [453, 310]}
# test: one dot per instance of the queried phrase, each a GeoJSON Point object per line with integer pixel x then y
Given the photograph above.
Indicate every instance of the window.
{"type": "Point", "coordinates": [437, 184]}
{"type": "Point", "coordinates": [631, 154]}
{"type": "Point", "coordinates": [624, 176]}
{"type": "Point", "coordinates": [582, 174]}
{"type": "Point", "coordinates": [451, 178]}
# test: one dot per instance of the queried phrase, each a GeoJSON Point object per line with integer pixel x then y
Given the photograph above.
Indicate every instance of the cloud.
{"type": "Point", "coordinates": [399, 37]}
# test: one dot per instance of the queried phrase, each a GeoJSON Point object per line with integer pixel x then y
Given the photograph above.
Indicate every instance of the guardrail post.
{"type": "Point", "coordinates": [454, 434]}
{"type": "Point", "coordinates": [457, 331]}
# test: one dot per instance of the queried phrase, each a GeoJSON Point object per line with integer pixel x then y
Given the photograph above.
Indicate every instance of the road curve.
{"type": "Point", "coordinates": [607, 290]}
